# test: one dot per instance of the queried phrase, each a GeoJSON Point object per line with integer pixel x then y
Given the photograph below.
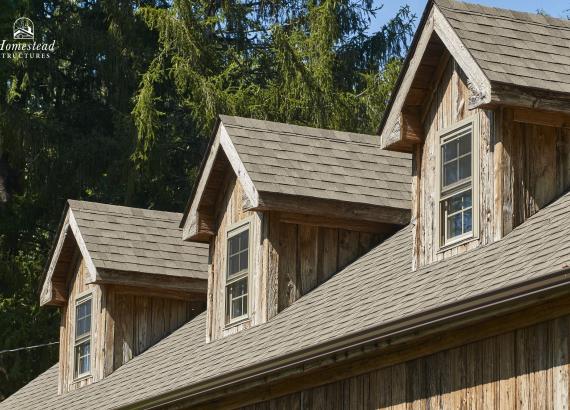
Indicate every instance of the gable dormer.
{"type": "Point", "coordinates": [487, 129]}
{"type": "Point", "coordinates": [284, 208]}
{"type": "Point", "coordinates": [123, 280]}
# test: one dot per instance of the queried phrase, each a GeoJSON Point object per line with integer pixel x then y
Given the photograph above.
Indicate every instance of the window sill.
{"type": "Point", "coordinates": [457, 243]}
{"type": "Point", "coordinates": [236, 322]}
{"type": "Point", "coordinates": [81, 377]}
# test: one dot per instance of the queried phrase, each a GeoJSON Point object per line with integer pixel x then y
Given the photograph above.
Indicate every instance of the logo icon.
{"type": "Point", "coordinates": [23, 29]}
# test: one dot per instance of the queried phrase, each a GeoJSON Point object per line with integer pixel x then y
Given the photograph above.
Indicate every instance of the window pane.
{"type": "Point", "coordinates": [449, 151]}
{"type": "Point", "coordinates": [83, 318]}
{"type": "Point", "coordinates": [236, 308]}
{"type": "Point", "coordinates": [454, 204]}
{"type": "Point", "coordinates": [454, 226]}
{"type": "Point", "coordinates": [465, 167]}
{"type": "Point", "coordinates": [450, 173]}
{"type": "Point", "coordinates": [243, 258]}
{"type": "Point", "coordinates": [467, 199]}
{"type": "Point", "coordinates": [467, 221]}
{"type": "Point", "coordinates": [237, 299]}
{"type": "Point", "coordinates": [459, 214]}
{"type": "Point", "coordinates": [244, 240]}
{"type": "Point", "coordinates": [233, 264]}
{"type": "Point", "coordinates": [234, 245]}
{"type": "Point", "coordinates": [82, 358]}
{"type": "Point", "coordinates": [465, 144]}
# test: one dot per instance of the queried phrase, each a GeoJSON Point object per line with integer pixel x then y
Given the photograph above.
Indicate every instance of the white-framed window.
{"type": "Point", "coordinates": [82, 344]}
{"type": "Point", "coordinates": [237, 273]}
{"type": "Point", "coordinates": [457, 183]}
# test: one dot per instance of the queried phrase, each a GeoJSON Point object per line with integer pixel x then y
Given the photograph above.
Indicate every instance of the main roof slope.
{"type": "Point", "coordinates": [375, 292]}
{"type": "Point", "coordinates": [138, 240]}
{"type": "Point", "coordinates": [303, 161]}
{"type": "Point", "coordinates": [522, 49]}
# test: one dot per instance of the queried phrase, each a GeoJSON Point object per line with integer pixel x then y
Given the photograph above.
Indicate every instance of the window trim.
{"type": "Point", "coordinates": [442, 243]}
{"type": "Point", "coordinates": [79, 299]}
{"type": "Point", "coordinates": [231, 231]}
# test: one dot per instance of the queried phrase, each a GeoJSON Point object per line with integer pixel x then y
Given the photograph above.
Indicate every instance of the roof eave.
{"type": "Point", "coordinates": [503, 300]}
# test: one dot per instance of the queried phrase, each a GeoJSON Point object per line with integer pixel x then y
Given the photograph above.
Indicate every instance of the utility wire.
{"type": "Point", "coordinates": [27, 347]}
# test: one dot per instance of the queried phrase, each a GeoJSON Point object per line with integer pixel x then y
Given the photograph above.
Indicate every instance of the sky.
{"type": "Point", "coordinates": [555, 8]}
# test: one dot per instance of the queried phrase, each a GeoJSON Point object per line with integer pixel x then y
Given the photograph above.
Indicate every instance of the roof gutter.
{"type": "Point", "coordinates": [479, 305]}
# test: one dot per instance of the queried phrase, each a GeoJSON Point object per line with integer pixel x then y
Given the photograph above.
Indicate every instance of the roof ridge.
{"type": "Point", "coordinates": [309, 136]}
{"type": "Point", "coordinates": [514, 19]}
{"type": "Point", "coordinates": [96, 211]}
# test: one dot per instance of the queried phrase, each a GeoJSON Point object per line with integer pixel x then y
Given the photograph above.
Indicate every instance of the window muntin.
{"type": "Point", "coordinates": [82, 345]}
{"type": "Point", "coordinates": [456, 184]}
{"type": "Point", "coordinates": [237, 274]}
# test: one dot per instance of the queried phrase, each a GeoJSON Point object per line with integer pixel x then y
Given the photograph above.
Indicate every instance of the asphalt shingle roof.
{"type": "Point", "coordinates": [522, 49]}
{"type": "Point", "coordinates": [138, 240]}
{"type": "Point", "coordinates": [377, 289]}
{"type": "Point", "coordinates": [344, 166]}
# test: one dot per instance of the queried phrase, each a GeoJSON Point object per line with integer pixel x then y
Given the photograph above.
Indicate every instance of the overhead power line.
{"type": "Point", "coordinates": [27, 347]}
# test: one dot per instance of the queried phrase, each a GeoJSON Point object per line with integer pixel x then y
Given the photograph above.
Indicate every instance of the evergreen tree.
{"type": "Point", "coordinates": [122, 111]}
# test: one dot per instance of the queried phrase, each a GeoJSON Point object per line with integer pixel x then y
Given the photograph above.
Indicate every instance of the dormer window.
{"type": "Point", "coordinates": [456, 183]}
{"type": "Point", "coordinates": [83, 336]}
{"type": "Point", "coordinates": [237, 276]}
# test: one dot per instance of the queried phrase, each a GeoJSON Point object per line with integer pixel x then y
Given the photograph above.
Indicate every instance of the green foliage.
{"type": "Point", "coordinates": [121, 113]}
{"type": "Point", "coordinates": [306, 62]}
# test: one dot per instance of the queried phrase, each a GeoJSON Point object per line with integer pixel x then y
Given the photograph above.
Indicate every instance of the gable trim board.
{"type": "Point", "coordinates": [300, 169]}
{"type": "Point", "coordinates": [69, 225]}
{"type": "Point", "coordinates": [495, 73]}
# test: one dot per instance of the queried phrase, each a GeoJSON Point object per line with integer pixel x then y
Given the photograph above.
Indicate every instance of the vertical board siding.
{"type": "Point", "coordinates": [141, 321]}
{"type": "Point", "coordinates": [78, 285]}
{"type": "Point", "coordinates": [524, 369]}
{"type": "Point", "coordinates": [310, 255]}
{"type": "Point", "coordinates": [230, 210]}
{"type": "Point", "coordinates": [447, 108]}
{"type": "Point", "coordinates": [536, 164]}
{"type": "Point", "coordinates": [521, 168]}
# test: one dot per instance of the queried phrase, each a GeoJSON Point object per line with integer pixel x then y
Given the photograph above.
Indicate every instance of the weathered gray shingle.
{"type": "Point", "coordinates": [376, 290]}
{"type": "Point", "coordinates": [523, 49]}
{"type": "Point", "coordinates": [138, 240]}
{"type": "Point", "coordinates": [295, 160]}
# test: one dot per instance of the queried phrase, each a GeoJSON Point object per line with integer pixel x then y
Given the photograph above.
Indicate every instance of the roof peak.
{"type": "Point", "coordinates": [348, 137]}
{"type": "Point", "coordinates": [503, 13]}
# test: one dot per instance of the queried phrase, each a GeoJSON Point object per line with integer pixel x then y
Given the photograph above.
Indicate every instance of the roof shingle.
{"type": "Point", "coordinates": [138, 240]}
{"type": "Point", "coordinates": [522, 49]}
{"type": "Point", "coordinates": [376, 290]}
{"type": "Point", "coordinates": [312, 162]}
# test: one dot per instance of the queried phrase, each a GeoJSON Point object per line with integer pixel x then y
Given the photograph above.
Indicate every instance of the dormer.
{"type": "Point", "coordinates": [284, 208]}
{"type": "Point", "coordinates": [486, 120]}
{"type": "Point", "coordinates": [123, 280]}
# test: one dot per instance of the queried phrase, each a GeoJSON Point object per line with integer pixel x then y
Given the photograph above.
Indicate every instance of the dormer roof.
{"type": "Point", "coordinates": [521, 49]}
{"type": "Point", "coordinates": [124, 245]}
{"type": "Point", "coordinates": [509, 58]}
{"type": "Point", "coordinates": [290, 167]}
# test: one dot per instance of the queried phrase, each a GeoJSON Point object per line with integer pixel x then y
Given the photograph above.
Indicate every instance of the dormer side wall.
{"type": "Point", "coordinates": [519, 164]}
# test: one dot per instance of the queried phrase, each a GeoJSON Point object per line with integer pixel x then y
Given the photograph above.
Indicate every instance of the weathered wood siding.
{"type": "Point", "coordinates": [304, 256]}
{"type": "Point", "coordinates": [521, 168]}
{"type": "Point", "coordinates": [77, 285]}
{"type": "Point", "coordinates": [125, 322]}
{"type": "Point", "coordinates": [133, 322]}
{"type": "Point", "coordinates": [535, 168]}
{"type": "Point", "coordinates": [523, 369]}
{"type": "Point", "coordinates": [287, 260]}
{"type": "Point", "coordinates": [230, 209]}
{"type": "Point", "coordinates": [449, 106]}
